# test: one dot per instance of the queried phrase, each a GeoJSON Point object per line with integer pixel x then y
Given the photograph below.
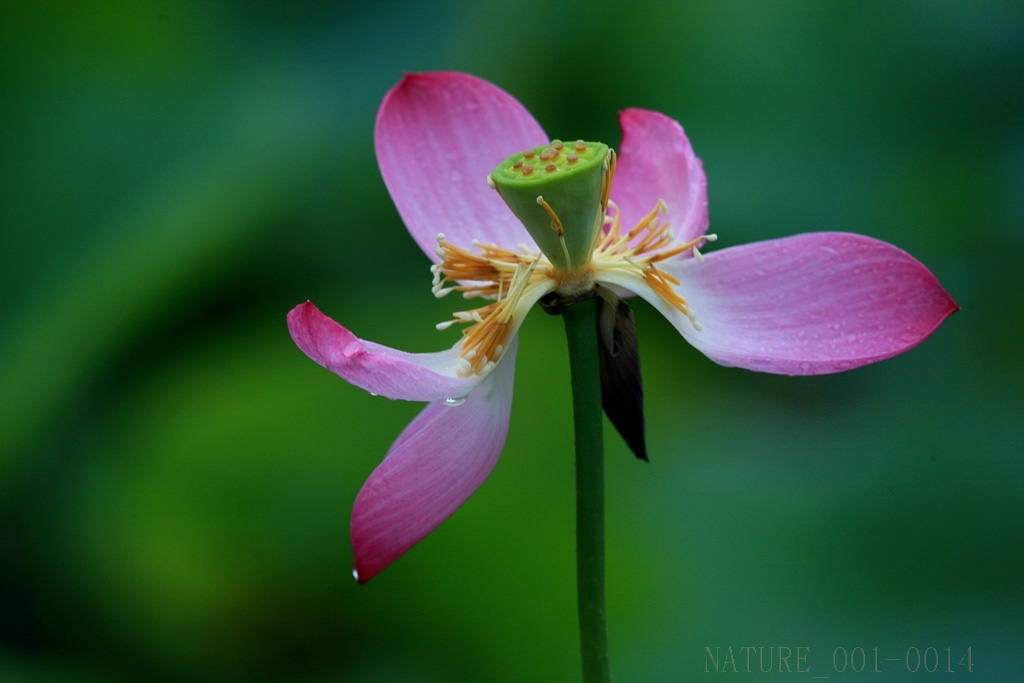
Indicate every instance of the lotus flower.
{"type": "Point", "coordinates": [810, 304]}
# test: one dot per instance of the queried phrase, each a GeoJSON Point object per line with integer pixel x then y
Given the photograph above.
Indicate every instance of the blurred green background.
{"type": "Point", "coordinates": [176, 477]}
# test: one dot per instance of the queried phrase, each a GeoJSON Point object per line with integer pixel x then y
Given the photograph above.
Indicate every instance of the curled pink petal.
{"type": "Point", "coordinates": [656, 161]}
{"type": "Point", "coordinates": [810, 304]}
{"type": "Point", "coordinates": [438, 136]}
{"type": "Point", "coordinates": [437, 462]}
{"type": "Point", "coordinates": [378, 369]}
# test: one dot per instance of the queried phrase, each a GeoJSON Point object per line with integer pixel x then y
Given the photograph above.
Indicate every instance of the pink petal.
{"type": "Point", "coordinates": [656, 162]}
{"type": "Point", "coordinates": [375, 368]}
{"type": "Point", "coordinates": [437, 462]}
{"type": "Point", "coordinates": [810, 304]}
{"type": "Point", "coordinates": [438, 136]}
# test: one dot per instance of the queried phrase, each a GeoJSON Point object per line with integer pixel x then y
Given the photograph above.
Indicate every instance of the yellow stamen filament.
{"type": "Point", "coordinates": [556, 225]}
{"type": "Point", "coordinates": [609, 174]}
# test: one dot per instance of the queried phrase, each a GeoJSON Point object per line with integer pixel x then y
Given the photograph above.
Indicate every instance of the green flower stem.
{"type": "Point", "coordinates": [584, 364]}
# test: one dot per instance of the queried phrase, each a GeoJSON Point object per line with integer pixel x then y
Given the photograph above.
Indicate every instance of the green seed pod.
{"type": "Point", "coordinates": [559, 193]}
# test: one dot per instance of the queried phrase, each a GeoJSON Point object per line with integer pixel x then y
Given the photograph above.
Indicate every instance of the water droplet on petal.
{"type": "Point", "coordinates": [452, 402]}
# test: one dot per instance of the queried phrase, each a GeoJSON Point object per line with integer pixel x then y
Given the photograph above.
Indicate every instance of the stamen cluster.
{"type": "Point", "coordinates": [622, 252]}
{"type": "Point", "coordinates": [503, 276]}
